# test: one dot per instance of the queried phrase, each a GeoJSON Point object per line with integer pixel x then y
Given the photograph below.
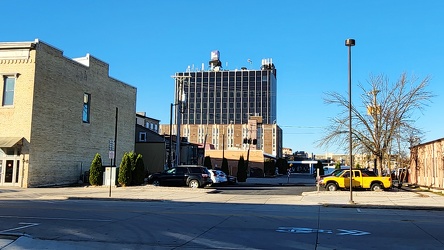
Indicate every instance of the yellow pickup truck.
{"type": "Point", "coordinates": [360, 180]}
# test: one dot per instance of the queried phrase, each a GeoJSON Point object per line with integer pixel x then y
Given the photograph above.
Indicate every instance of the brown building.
{"type": "Point", "coordinates": [427, 164]}
{"type": "Point", "coordinates": [234, 140]}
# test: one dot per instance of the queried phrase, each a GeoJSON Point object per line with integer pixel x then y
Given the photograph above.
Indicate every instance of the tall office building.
{"type": "Point", "coordinates": [221, 96]}
{"type": "Point", "coordinates": [229, 109]}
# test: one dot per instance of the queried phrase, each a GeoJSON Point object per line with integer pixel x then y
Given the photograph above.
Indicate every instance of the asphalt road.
{"type": "Point", "coordinates": [264, 190]}
{"type": "Point", "coordinates": [90, 224]}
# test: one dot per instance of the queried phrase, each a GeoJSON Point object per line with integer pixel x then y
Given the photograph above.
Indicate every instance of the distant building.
{"type": "Point", "coordinates": [287, 152]}
{"type": "Point", "coordinates": [56, 113]}
{"type": "Point", "coordinates": [147, 122]}
{"type": "Point", "coordinates": [230, 109]}
{"type": "Point", "coordinates": [152, 147]}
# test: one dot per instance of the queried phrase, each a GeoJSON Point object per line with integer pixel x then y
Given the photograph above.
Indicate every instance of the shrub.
{"type": "Point", "coordinates": [125, 171]}
{"type": "Point", "coordinates": [337, 165]}
{"type": "Point", "coordinates": [269, 167]}
{"type": "Point", "coordinates": [225, 166]}
{"type": "Point", "coordinates": [139, 171]}
{"type": "Point", "coordinates": [207, 162]}
{"type": "Point", "coordinates": [96, 171]}
{"type": "Point", "coordinates": [133, 156]}
{"type": "Point", "coordinates": [282, 165]}
{"type": "Point", "coordinates": [241, 170]}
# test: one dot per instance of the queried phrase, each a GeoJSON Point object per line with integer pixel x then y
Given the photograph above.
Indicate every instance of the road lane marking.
{"type": "Point", "coordinates": [302, 230]}
{"type": "Point", "coordinates": [52, 218]}
{"type": "Point", "coordinates": [21, 223]}
{"type": "Point", "coordinates": [352, 232]}
{"type": "Point", "coordinates": [305, 230]}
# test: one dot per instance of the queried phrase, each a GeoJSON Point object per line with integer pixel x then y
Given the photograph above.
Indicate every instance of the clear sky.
{"type": "Point", "coordinates": [145, 42]}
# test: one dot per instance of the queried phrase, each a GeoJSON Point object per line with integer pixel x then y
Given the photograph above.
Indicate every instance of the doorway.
{"type": "Point", "coordinates": [9, 168]}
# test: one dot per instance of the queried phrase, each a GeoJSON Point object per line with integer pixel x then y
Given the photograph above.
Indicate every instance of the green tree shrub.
{"type": "Point", "coordinates": [207, 162]}
{"type": "Point", "coordinates": [96, 171]}
{"type": "Point", "coordinates": [225, 166]}
{"type": "Point", "coordinates": [282, 165]}
{"type": "Point", "coordinates": [139, 171]}
{"type": "Point", "coordinates": [269, 167]}
{"type": "Point", "coordinates": [241, 170]}
{"type": "Point", "coordinates": [133, 157]}
{"type": "Point", "coordinates": [337, 165]}
{"type": "Point", "coordinates": [125, 171]}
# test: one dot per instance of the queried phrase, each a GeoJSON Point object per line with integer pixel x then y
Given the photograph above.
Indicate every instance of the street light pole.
{"type": "Point", "coordinates": [170, 148]}
{"type": "Point", "coordinates": [349, 43]}
{"type": "Point", "coordinates": [179, 102]}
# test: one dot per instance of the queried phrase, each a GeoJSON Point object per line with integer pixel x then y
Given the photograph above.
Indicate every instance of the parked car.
{"type": "Point", "coordinates": [218, 176]}
{"type": "Point", "coordinates": [231, 179]}
{"type": "Point", "coordinates": [186, 175]}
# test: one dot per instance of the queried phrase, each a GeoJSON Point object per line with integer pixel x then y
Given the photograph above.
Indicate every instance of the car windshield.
{"type": "Point", "coordinates": [338, 173]}
{"type": "Point", "coordinates": [171, 171]}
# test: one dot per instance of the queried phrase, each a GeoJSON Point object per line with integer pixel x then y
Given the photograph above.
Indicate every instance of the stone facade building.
{"type": "Point", "coordinates": [56, 113]}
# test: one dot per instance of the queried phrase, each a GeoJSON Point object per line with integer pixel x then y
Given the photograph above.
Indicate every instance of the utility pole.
{"type": "Point", "coordinates": [180, 100]}
{"type": "Point", "coordinates": [350, 43]}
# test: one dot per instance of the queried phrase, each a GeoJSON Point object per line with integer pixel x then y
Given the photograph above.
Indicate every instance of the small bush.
{"type": "Point", "coordinates": [96, 171]}
{"type": "Point", "coordinates": [269, 167]}
{"type": "Point", "coordinates": [139, 171]}
{"type": "Point", "coordinates": [225, 166]}
{"type": "Point", "coordinates": [125, 171]}
{"type": "Point", "coordinates": [241, 170]}
{"type": "Point", "coordinates": [207, 162]}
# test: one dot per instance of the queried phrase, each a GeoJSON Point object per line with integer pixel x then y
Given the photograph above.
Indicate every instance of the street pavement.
{"type": "Point", "coordinates": [405, 198]}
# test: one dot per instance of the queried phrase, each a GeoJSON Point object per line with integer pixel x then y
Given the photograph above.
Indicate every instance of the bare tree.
{"type": "Point", "coordinates": [386, 115]}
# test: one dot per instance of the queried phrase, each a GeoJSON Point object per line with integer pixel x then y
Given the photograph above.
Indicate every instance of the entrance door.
{"type": "Point", "coordinates": [9, 172]}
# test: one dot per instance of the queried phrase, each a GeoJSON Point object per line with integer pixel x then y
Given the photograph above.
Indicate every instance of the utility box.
{"type": "Point", "coordinates": [109, 176]}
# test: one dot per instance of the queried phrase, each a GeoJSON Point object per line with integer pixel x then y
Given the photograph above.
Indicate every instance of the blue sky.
{"type": "Point", "coordinates": [145, 42]}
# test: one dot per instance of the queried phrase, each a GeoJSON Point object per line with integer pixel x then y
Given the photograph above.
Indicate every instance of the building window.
{"type": "Point", "coordinates": [8, 91]}
{"type": "Point", "coordinates": [142, 136]}
{"type": "Point", "coordinates": [86, 107]}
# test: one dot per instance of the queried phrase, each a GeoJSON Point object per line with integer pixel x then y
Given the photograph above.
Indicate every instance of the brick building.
{"type": "Point", "coordinates": [427, 164]}
{"type": "Point", "coordinates": [56, 113]}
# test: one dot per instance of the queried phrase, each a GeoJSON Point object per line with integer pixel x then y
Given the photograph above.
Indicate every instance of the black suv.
{"type": "Point", "coordinates": [184, 175]}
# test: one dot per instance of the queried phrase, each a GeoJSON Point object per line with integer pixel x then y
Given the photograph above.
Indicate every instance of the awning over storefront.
{"type": "Point", "coordinates": [8, 142]}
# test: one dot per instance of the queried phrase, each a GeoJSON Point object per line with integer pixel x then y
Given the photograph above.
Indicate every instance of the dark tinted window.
{"type": "Point", "coordinates": [196, 170]}
{"type": "Point", "coordinates": [180, 171]}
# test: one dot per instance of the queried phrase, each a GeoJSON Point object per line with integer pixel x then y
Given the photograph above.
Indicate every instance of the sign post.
{"type": "Point", "coordinates": [111, 156]}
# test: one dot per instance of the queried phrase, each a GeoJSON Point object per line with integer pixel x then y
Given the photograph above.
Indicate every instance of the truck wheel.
{"type": "Point", "coordinates": [376, 187]}
{"type": "Point", "coordinates": [331, 187]}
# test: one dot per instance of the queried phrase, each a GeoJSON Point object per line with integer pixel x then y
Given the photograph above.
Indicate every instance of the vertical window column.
{"type": "Point", "coordinates": [86, 108]}
{"type": "Point", "coordinates": [8, 91]}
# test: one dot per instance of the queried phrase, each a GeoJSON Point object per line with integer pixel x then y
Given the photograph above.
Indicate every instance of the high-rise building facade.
{"type": "Point", "coordinates": [229, 109]}
{"type": "Point", "coordinates": [221, 96]}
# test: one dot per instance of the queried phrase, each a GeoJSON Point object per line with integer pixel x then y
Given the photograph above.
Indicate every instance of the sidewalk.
{"type": "Point", "coordinates": [416, 199]}
{"type": "Point", "coordinates": [394, 199]}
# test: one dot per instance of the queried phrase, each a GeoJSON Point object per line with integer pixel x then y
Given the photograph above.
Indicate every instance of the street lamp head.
{"type": "Point", "coordinates": [350, 42]}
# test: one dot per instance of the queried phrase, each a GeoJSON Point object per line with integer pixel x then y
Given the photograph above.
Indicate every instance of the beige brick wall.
{"type": "Point", "coordinates": [48, 113]}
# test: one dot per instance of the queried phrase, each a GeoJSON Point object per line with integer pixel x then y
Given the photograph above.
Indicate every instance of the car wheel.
{"type": "Point", "coordinates": [193, 184]}
{"type": "Point", "coordinates": [331, 187]}
{"type": "Point", "coordinates": [376, 187]}
{"type": "Point", "coordinates": [156, 183]}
